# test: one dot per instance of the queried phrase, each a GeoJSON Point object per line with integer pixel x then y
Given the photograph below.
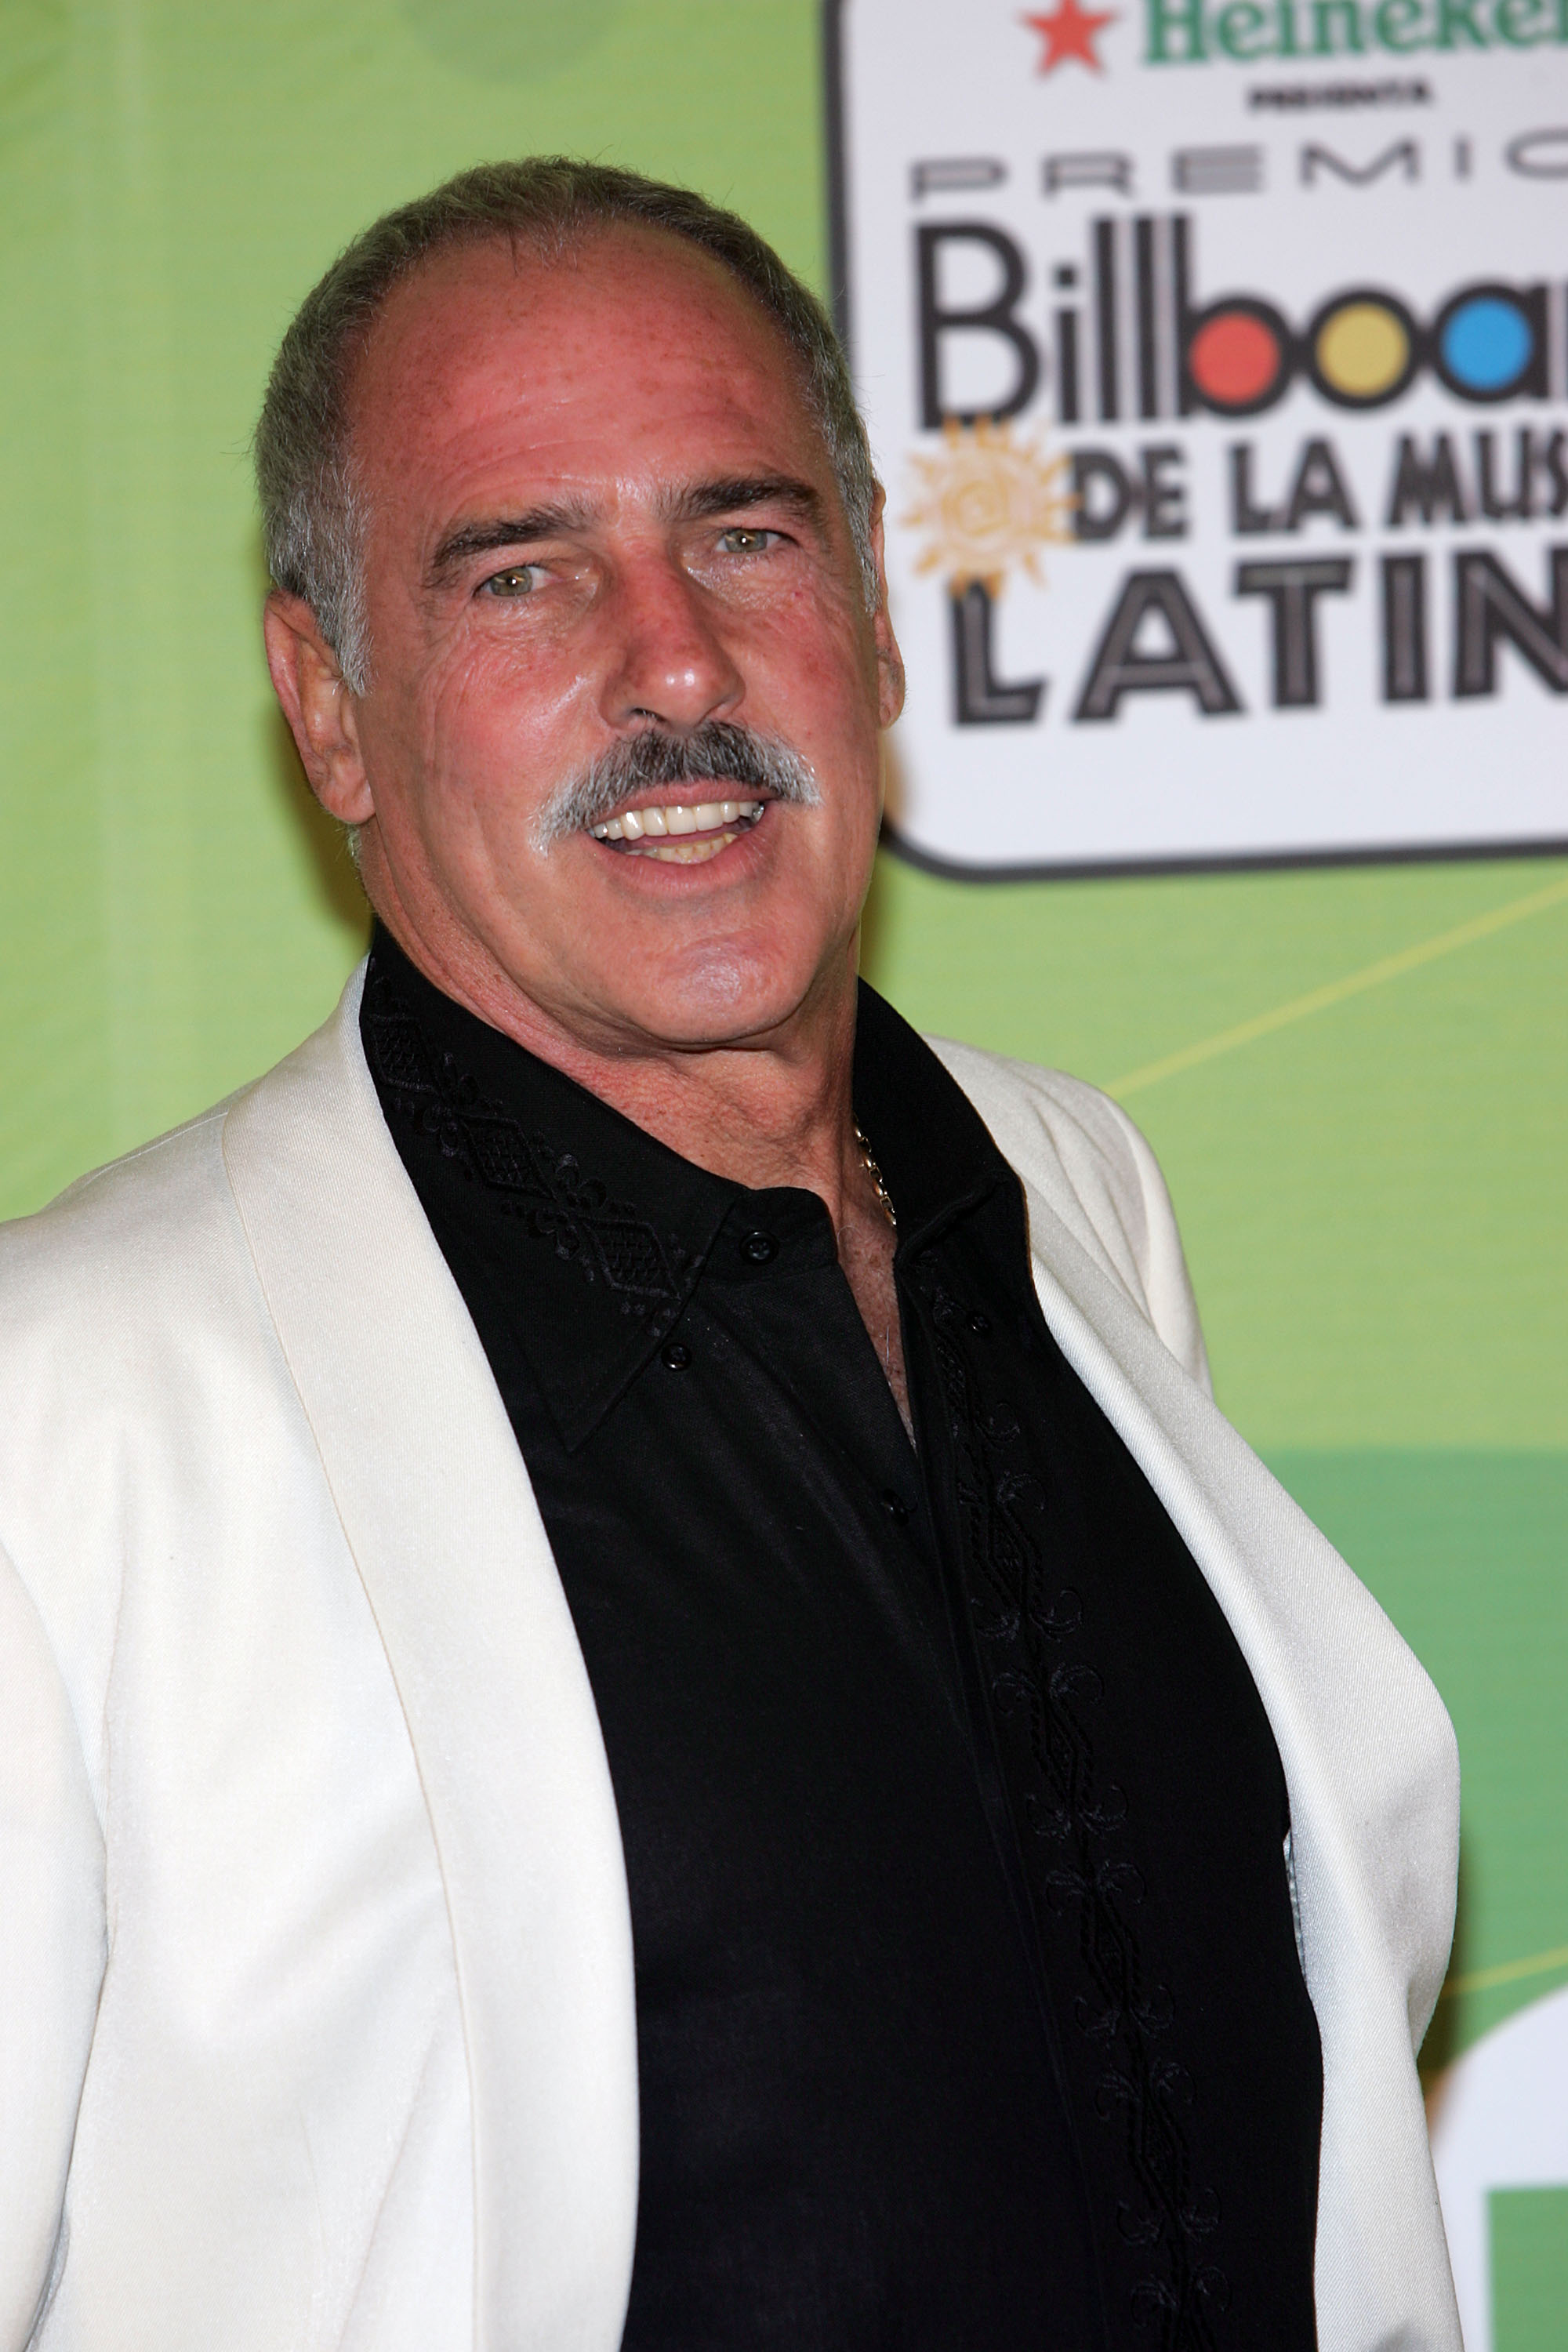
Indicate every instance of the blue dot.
{"type": "Point", "coordinates": [1486, 343]}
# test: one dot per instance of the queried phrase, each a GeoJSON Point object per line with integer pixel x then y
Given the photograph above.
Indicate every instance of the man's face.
{"type": "Point", "coordinates": [598, 508]}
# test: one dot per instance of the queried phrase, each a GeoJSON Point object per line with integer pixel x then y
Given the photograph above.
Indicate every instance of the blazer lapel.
{"type": "Point", "coordinates": [1370, 1766]}
{"type": "Point", "coordinates": [443, 1526]}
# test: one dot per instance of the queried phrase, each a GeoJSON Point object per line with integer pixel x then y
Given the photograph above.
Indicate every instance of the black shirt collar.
{"type": "Point", "coordinates": [935, 1152]}
{"type": "Point", "coordinates": [589, 1234]}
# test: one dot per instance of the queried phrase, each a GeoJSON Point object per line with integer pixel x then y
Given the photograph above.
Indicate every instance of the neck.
{"type": "Point", "coordinates": [772, 1110]}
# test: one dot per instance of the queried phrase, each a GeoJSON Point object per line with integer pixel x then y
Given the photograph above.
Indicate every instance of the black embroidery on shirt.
{"type": "Point", "coordinates": [610, 1241]}
{"type": "Point", "coordinates": [1024, 1627]}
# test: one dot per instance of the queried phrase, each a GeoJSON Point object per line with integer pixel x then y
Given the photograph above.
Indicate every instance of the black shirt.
{"type": "Point", "coordinates": [969, 2010]}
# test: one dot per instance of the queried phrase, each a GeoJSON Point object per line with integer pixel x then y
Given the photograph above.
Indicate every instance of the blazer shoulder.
{"type": "Point", "coordinates": [1080, 1155]}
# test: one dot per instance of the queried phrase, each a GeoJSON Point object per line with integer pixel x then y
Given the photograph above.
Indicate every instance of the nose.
{"type": "Point", "coordinates": [670, 663]}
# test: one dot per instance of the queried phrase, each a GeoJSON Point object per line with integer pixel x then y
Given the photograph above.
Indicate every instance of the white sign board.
{"type": "Point", "coordinates": [1216, 359]}
{"type": "Point", "coordinates": [1499, 2122]}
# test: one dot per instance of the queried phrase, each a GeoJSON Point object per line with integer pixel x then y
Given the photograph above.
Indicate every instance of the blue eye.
{"type": "Point", "coordinates": [517, 579]}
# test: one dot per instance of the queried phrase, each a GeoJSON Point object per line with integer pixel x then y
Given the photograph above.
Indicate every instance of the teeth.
{"type": "Point", "coordinates": [689, 853]}
{"type": "Point", "coordinates": [679, 819]}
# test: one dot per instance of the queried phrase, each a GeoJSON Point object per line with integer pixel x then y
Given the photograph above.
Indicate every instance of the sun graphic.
{"type": "Point", "coordinates": [987, 502]}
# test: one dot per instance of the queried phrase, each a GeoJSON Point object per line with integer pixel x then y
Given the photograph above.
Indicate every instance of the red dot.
{"type": "Point", "coordinates": [1233, 358]}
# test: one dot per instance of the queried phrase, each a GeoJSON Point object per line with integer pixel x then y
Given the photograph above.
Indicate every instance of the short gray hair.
{"type": "Point", "coordinates": [311, 507]}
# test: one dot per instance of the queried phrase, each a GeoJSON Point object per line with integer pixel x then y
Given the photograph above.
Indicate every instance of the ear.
{"type": "Point", "coordinates": [318, 706]}
{"type": "Point", "coordinates": [889, 660]}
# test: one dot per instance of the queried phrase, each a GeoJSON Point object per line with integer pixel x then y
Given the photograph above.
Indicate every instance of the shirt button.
{"type": "Point", "coordinates": [675, 1354]}
{"type": "Point", "coordinates": [758, 1249]}
{"type": "Point", "coordinates": [894, 1505]}
{"type": "Point", "coordinates": [979, 1324]}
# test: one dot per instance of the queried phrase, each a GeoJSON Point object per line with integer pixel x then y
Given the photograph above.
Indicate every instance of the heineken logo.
{"type": "Point", "coordinates": [1071, 34]}
{"type": "Point", "coordinates": [1196, 32]}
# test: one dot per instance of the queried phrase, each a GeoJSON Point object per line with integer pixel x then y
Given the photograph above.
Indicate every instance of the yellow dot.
{"type": "Point", "coordinates": [1362, 350]}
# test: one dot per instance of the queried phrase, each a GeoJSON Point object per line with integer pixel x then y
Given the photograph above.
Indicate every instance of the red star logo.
{"type": "Point", "coordinates": [1070, 32]}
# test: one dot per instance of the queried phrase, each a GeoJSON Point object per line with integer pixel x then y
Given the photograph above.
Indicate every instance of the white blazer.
{"type": "Point", "coordinates": [316, 2002]}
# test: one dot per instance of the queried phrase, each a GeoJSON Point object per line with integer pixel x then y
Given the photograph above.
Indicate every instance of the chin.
{"type": "Point", "coordinates": [723, 1003]}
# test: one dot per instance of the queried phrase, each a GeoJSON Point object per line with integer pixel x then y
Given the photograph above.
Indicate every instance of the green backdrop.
{"type": "Point", "coordinates": [1355, 1077]}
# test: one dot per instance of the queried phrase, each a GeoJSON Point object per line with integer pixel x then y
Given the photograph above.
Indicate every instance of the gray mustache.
{"type": "Point", "coordinates": [718, 751]}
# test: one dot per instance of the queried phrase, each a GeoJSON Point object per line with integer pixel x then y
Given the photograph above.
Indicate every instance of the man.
{"type": "Point", "coordinates": [644, 1701]}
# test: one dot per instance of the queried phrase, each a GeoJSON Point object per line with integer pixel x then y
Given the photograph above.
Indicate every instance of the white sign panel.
{"type": "Point", "coordinates": [1216, 358]}
{"type": "Point", "coordinates": [1499, 2122]}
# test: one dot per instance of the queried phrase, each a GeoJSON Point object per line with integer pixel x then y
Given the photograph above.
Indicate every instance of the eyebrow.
{"type": "Point", "coordinates": [485, 537]}
{"type": "Point", "coordinates": [735, 492]}
{"type": "Point", "coordinates": [730, 494]}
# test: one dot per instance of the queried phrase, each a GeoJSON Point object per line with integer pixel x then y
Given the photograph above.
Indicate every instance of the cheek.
{"type": "Point", "coordinates": [498, 726]}
{"type": "Point", "coordinates": [816, 667]}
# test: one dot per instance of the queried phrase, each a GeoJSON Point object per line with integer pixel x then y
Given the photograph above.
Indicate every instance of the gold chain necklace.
{"type": "Point", "coordinates": [867, 1162]}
